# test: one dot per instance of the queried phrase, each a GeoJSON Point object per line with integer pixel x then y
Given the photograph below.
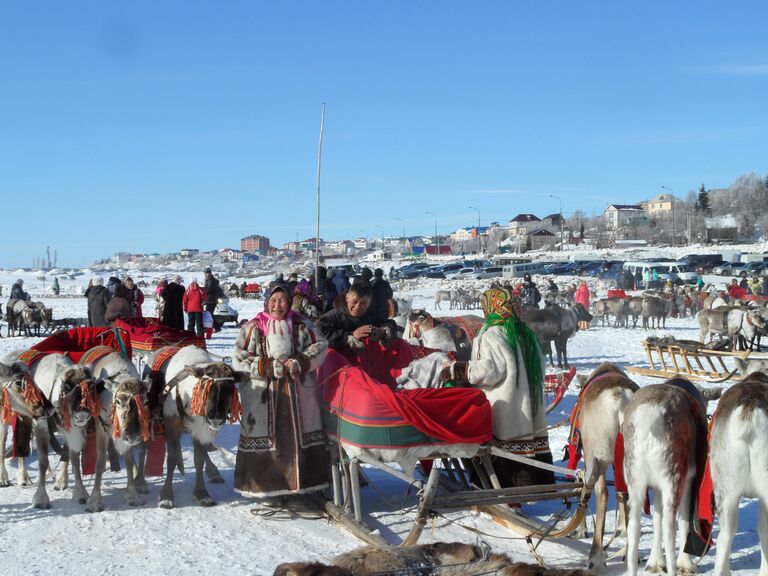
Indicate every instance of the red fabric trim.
{"type": "Point", "coordinates": [88, 457]}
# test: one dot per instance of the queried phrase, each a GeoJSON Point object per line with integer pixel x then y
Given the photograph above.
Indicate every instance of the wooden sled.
{"type": "Point", "coordinates": [369, 422]}
{"type": "Point", "coordinates": [555, 386]}
{"type": "Point", "coordinates": [446, 488]}
{"type": "Point", "coordinates": [669, 357]}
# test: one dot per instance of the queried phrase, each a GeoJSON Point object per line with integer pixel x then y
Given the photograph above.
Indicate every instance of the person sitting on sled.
{"type": "Point", "coordinates": [508, 365]}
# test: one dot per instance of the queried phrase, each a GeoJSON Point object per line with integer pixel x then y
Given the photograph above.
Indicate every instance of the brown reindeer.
{"type": "Point", "coordinates": [439, 559]}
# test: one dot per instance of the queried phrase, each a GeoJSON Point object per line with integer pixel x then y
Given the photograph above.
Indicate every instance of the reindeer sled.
{"type": "Point", "coordinates": [669, 357]}
{"type": "Point", "coordinates": [148, 335]}
{"type": "Point", "coordinates": [369, 421]}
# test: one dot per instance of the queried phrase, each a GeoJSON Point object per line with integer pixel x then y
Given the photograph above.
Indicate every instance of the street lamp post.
{"type": "Point", "coordinates": [561, 219]}
{"type": "Point", "coordinates": [403, 221]}
{"type": "Point", "coordinates": [437, 238]}
{"type": "Point", "coordinates": [479, 236]}
{"type": "Point", "coordinates": [672, 198]}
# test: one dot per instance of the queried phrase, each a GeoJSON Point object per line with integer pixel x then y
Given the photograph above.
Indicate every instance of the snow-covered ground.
{"type": "Point", "coordinates": [229, 537]}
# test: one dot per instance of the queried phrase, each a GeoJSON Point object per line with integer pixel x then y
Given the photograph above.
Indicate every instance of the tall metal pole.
{"type": "Point", "coordinates": [561, 219]}
{"type": "Point", "coordinates": [317, 227]}
{"type": "Point", "coordinates": [403, 221]}
{"type": "Point", "coordinates": [672, 198]}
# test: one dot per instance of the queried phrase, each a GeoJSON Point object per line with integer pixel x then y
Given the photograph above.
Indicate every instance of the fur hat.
{"type": "Point", "coordinates": [98, 281]}
{"type": "Point", "coordinates": [208, 270]}
{"type": "Point", "coordinates": [178, 279]}
{"type": "Point", "coordinates": [20, 282]}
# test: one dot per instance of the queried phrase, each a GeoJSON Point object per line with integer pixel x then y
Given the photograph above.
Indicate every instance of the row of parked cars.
{"type": "Point", "coordinates": [475, 269]}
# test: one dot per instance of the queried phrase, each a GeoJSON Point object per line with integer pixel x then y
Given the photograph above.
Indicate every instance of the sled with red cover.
{"type": "Point", "coordinates": [149, 334]}
{"type": "Point", "coordinates": [78, 341]}
{"type": "Point", "coordinates": [374, 423]}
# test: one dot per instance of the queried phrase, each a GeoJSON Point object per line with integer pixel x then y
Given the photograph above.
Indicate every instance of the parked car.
{"type": "Point", "coordinates": [702, 263]}
{"type": "Point", "coordinates": [729, 268]}
{"type": "Point", "coordinates": [752, 268]}
{"type": "Point", "coordinates": [590, 268]}
{"type": "Point", "coordinates": [410, 271]}
{"type": "Point", "coordinates": [461, 273]}
{"type": "Point", "coordinates": [490, 272]}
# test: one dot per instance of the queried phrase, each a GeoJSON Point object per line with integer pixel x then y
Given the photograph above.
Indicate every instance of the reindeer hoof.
{"type": "Point", "coordinates": [216, 478]}
{"type": "Point", "coordinates": [42, 503]}
{"type": "Point", "coordinates": [167, 504]}
{"type": "Point", "coordinates": [95, 507]}
{"type": "Point", "coordinates": [142, 487]}
{"type": "Point", "coordinates": [25, 482]}
{"type": "Point", "coordinates": [134, 500]}
{"type": "Point", "coordinates": [60, 486]}
{"type": "Point", "coordinates": [655, 568]}
{"type": "Point", "coordinates": [5, 484]}
{"type": "Point", "coordinates": [205, 502]}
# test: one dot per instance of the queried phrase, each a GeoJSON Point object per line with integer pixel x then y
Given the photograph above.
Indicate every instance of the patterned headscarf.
{"type": "Point", "coordinates": [277, 287]}
{"type": "Point", "coordinates": [501, 308]}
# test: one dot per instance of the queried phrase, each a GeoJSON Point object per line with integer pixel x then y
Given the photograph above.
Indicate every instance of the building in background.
{"type": "Point", "coordinates": [255, 243]}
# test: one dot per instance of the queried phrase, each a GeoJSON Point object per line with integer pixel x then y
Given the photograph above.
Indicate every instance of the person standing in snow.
{"type": "Point", "coordinates": [194, 299]}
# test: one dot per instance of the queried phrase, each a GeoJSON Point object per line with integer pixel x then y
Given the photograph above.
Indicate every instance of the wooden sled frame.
{"type": "Point", "coordinates": [688, 358]}
{"type": "Point", "coordinates": [447, 489]}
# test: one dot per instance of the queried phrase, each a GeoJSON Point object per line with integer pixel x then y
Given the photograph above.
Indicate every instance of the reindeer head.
{"type": "Point", "coordinates": [79, 397]}
{"type": "Point", "coordinates": [46, 317]}
{"type": "Point", "coordinates": [215, 396]}
{"type": "Point", "coordinates": [420, 321]}
{"type": "Point", "coordinates": [130, 410]}
{"type": "Point", "coordinates": [20, 394]}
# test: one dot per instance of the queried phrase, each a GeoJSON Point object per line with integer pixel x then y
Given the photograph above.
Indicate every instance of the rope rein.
{"type": "Point", "coordinates": [89, 402]}
{"type": "Point", "coordinates": [202, 390]}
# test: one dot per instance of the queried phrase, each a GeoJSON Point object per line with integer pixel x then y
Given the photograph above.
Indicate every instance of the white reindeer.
{"type": "Point", "coordinates": [738, 460]}
{"type": "Point", "coordinates": [665, 432]}
{"type": "Point", "coordinates": [604, 398]}
{"type": "Point", "coordinates": [200, 396]}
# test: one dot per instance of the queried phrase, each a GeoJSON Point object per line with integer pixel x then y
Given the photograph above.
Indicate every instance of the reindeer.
{"type": "Point", "coordinates": [654, 312]}
{"type": "Point", "coordinates": [399, 310]}
{"type": "Point", "coordinates": [440, 333]}
{"type": "Point", "coordinates": [733, 322]}
{"type": "Point", "coordinates": [634, 310]}
{"type": "Point", "coordinates": [738, 460]}
{"type": "Point", "coordinates": [45, 376]}
{"type": "Point", "coordinates": [127, 416]}
{"type": "Point", "coordinates": [20, 397]}
{"type": "Point", "coordinates": [599, 411]}
{"type": "Point", "coordinates": [200, 395]}
{"type": "Point", "coordinates": [443, 296]}
{"type": "Point", "coordinates": [553, 324]}
{"type": "Point", "coordinates": [665, 440]}
{"type": "Point", "coordinates": [438, 559]}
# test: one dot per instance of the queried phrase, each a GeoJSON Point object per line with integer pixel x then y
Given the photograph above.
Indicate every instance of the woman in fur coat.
{"type": "Point", "coordinates": [282, 449]}
{"type": "Point", "coordinates": [507, 364]}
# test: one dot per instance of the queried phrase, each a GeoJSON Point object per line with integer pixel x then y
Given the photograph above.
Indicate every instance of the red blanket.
{"type": "Point", "coordinates": [148, 334]}
{"type": "Point", "coordinates": [79, 340]}
{"type": "Point", "coordinates": [444, 415]}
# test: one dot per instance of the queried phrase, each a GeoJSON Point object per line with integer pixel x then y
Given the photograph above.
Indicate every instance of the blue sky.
{"type": "Point", "coordinates": [152, 126]}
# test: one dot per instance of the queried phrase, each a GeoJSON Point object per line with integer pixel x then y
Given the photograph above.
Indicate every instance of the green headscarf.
{"type": "Point", "coordinates": [500, 308]}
